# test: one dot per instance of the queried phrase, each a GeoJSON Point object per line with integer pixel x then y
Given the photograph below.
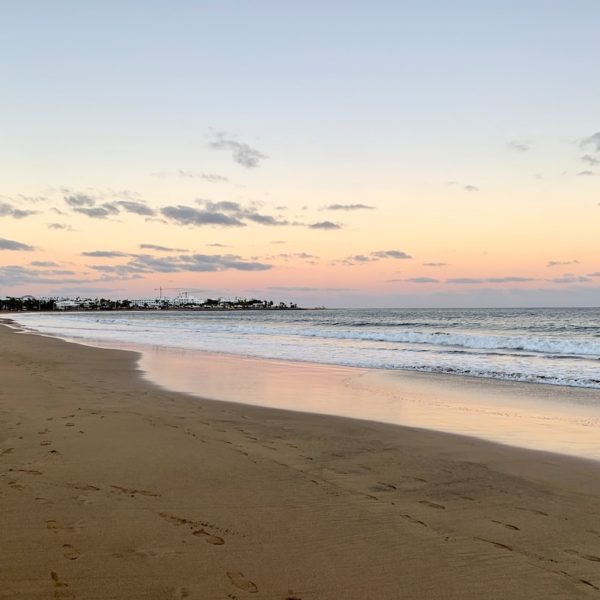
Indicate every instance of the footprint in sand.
{"type": "Point", "coordinates": [55, 526]}
{"type": "Point", "coordinates": [84, 487]}
{"type": "Point", "coordinates": [27, 471]}
{"type": "Point", "coordinates": [432, 504]}
{"type": "Point", "coordinates": [589, 557]}
{"type": "Point", "coordinates": [586, 582]}
{"type": "Point", "coordinates": [133, 492]}
{"type": "Point", "coordinates": [507, 525]}
{"type": "Point", "coordinates": [209, 538]}
{"type": "Point", "coordinates": [241, 582]}
{"type": "Point", "coordinates": [70, 552]}
{"type": "Point", "coordinates": [52, 525]}
{"type": "Point", "coordinates": [497, 544]}
{"type": "Point", "coordinates": [7, 451]}
{"type": "Point", "coordinates": [413, 520]}
{"type": "Point", "coordinates": [60, 587]}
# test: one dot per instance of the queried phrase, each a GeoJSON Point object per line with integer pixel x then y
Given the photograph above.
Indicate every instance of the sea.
{"type": "Point", "coordinates": [552, 346]}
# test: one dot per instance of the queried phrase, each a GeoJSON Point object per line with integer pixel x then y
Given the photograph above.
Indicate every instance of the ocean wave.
{"type": "Point", "coordinates": [541, 345]}
{"type": "Point", "coordinates": [564, 359]}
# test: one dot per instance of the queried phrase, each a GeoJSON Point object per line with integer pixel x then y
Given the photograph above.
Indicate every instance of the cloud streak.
{"type": "Point", "coordinates": [242, 153]}
{"type": "Point", "coordinates": [325, 225]}
{"type": "Point", "coordinates": [519, 146]}
{"type": "Point", "coordinates": [188, 215]}
{"type": "Point", "coordinates": [348, 207]}
{"type": "Point", "coordinates": [593, 140]}
{"type": "Point", "coordinates": [561, 263]}
{"type": "Point", "coordinates": [14, 246]}
{"type": "Point", "coordinates": [190, 263]}
{"type": "Point", "coordinates": [480, 280]}
{"type": "Point", "coordinates": [161, 248]}
{"type": "Point", "coordinates": [7, 210]}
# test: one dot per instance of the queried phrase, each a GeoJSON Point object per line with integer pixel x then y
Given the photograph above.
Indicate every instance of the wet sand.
{"type": "Point", "coordinates": [111, 487]}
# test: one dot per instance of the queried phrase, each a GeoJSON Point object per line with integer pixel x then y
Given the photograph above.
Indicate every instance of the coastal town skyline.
{"type": "Point", "coordinates": [405, 157]}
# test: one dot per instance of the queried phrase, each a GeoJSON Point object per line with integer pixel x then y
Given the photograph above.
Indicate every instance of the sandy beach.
{"type": "Point", "coordinates": [111, 487]}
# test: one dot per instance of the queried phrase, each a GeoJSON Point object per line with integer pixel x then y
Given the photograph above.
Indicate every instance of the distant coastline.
{"type": "Point", "coordinates": [183, 302]}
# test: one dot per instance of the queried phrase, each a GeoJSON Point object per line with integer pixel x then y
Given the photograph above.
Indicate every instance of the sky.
{"type": "Point", "coordinates": [346, 154]}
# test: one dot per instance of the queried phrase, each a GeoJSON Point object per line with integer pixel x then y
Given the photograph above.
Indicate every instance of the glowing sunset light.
{"type": "Point", "coordinates": [252, 151]}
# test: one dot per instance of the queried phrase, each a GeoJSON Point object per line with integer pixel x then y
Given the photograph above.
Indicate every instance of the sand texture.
{"type": "Point", "coordinates": [111, 487]}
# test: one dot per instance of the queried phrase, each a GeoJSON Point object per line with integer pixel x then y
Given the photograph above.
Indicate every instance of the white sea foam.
{"type": "Point", "coordinates": [555, 347]}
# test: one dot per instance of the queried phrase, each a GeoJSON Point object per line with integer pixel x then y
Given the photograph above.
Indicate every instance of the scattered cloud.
{"type": "Point", "coordinates": [242, 213]}
{"type": "Point", "coordinates": [479, 280]}
{"type": "Point", "coordinates": [283, 288]}
{"type": "Point", "coordinates": [161, 248]}
{"type": "Point", "coordinates": [571, 279]}
{"type": "Point", "coordinates": [86, 204]}
{"type": "Point", "coordinates": [397, 254]}
{"type": "Point", "coordinates": [7, 210]}
{"type": "Point", "coordinates": [243, 154]}
{"type": "Point", "coordinates": [12, 275]}
{"type": "Point", "coordinates": [418, 280]}
{"type": "Point", "coordinates": [519, 145]}
{"type": "Point", "coordinates": [436, 264]}
{"type": "Point", "coordinates": [33, 199]}
{"type": "Point", "coordinates": [105, 254]}
{"type": "Point", "coordinates": [43, 263]}
{"type": "Point", "coordinates": [348, 207]}
{"type": "Point", "coordinates": [359, 258]}
{"type": "Point", "coordinates": [188, 215]}
{"type": "Point", "coordinates": [510, 279]}
{"type": "Point", "coordinates": [467, 188]}
{"type": "Point", "coordinates": [262, 219]}
{"type": "Point", "coordinates": [98, 212]}
{"type": "Point", "coordinates": [305, 256]}
{"type": "Point", "coordinates": [210, 177]}
{"type": "Point", "coordinates": [593, 140]}
{"type": "Point", "coordinates": [590, 160]}
{"type": "Point", "coordinates": [325, 225]}
{"type": "Point", "coordinates": [217, 245]}
{"type": "Point", "coordinates": [60, 226]}
{"type": "Point", "coordinates": [137, 208]}
{"type": "Point", "coordinates": [145, 263]}
{"type": "Point", "coordinates": [225, 205]}
{"type": "Point", "coordinates": [586, 173]}
{"type": "Point", "coordinates": [561, 263]}
{"type": "Point", "coordinates": [16, 246]}
{"type": "Point", "coordinates": [596, 274]}
{"type": "Point", "coordinates": [79, 200]}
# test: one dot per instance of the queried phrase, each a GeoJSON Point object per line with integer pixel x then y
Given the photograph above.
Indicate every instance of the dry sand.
{"type": "Point", "coordinates": [111, 487]}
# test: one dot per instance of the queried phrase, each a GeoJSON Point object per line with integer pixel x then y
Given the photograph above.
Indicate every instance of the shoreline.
{"type": "Point", "coordinates": [551, 418]}
{"type": "Point", "coordinates": [114, 488]}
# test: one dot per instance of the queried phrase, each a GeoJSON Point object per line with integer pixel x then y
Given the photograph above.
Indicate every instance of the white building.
{"type": "Point", "coordinates": [67, 305]}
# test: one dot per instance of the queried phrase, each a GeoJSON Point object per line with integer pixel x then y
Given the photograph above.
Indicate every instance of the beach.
{"type": "Point", "coordinates": [113, 487]}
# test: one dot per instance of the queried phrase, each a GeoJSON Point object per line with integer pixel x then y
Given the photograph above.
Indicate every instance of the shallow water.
{"type": "Point", "coordinates": [551, 346]}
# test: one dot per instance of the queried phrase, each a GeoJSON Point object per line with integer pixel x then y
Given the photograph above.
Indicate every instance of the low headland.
{"type": "Point", "coordinates": [181, 302]}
